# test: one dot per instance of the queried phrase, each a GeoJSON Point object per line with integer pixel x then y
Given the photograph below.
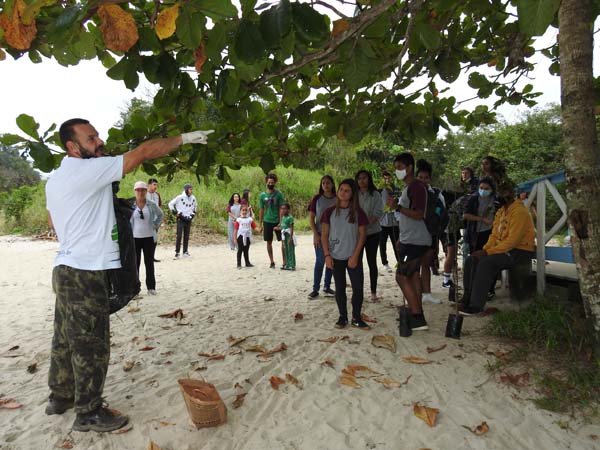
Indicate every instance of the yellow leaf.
{"type": "Point", "coordinates": [415, 360]}
{"type": "Point", "coordinates": [426, 414]}
{"type": "Point", "coordinates": [351, 370]}
{"type": "Point", "coordinates": [118, 28]}
{"type": "Point", "coordinates": [385, 341]}
{"type": "Point", "coordinates": [16, 33]}
{"type": "Point", "coordinates": [255, 348]}
{"type": "Point", "coordinates": [165, 24]}
{"type": "Point", "coordinates": [339, 26]}
{"type": "Point", "coordinates": [239, 400]}
{"type": "Point", "coordinates": [199, 58]}
{"type": "Point", "coordinates": [349, 380]}
{"type": "Point", "coordinates": [388, 382]}
{"type": "Point", "coordinates": [2, 55]}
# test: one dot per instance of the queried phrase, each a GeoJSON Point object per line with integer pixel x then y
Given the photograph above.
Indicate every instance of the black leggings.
{"type": "Point", "coordinates": [371, 246]}
{"type": "Point", "coordinates": [183, 228]}
{"type": "Point", "coordinates": [393, 234]}
{"type": "Point", "coordinates": [241, 248]}
{"type": "Point", "coordinates": [147, 244]}
{"type": "Point", "coordinates": [357, 280]}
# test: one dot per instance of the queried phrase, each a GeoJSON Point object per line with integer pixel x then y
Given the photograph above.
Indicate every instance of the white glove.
{"type": "Point", "coordinates": [196, 137]}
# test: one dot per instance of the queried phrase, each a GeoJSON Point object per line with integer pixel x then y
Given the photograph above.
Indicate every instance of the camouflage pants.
{"type": "Point", "coordinates": [81, 342]}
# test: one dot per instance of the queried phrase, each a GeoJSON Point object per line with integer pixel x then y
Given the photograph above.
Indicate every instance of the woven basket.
{"type": "Point", "coordinates": [203, 402]}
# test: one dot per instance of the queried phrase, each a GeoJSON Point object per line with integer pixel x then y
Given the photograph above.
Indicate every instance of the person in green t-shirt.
{"type": "Point", "coordinates": [269, 203]}
{"type": "Point", "coordinates": [286, 228]}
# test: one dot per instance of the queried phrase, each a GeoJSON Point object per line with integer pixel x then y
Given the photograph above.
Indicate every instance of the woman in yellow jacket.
{"type": "Point", "coordinates": [511, 243]}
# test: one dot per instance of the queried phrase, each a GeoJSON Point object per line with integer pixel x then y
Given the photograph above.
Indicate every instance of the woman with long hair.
{"type": "Point", "coordinates": [233, 211]}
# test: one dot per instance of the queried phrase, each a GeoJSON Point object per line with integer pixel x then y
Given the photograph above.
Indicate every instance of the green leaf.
{"type": "Point", "coordinates": [266, 93]}
{"type": "Point", "coordinates": [28, 125]}
{"type": "Point", "coordinates": [216, 40]}
{"type": "Point", "coordinates": [10, 139]}
{"type": "Point", "coordinates": [267, 163]}
{"type": "Point", "coordinates": [217, 10]}
{"type": "Point", "coordinates": [67, 18]}
{"type": "Point", "coordinates": [189, 26]}
{"type": "Point", "coordinates": [536, 15]}
{"type": "Point", "coordinates": [42, 156]}
{"type": "Point", "coordinates": [448, 68]}
{"type": "Point", "coordinates": [275, 23]}
{"type": "Point", "coordinates": [311, 27]}
{"type": "Point", "coordinates": [222, 174]}
{"type": "Point", "coordinates": [428, 35]}
{"type": "Point", "coordinates": [249, 44]}
{"type": "Point", "coordinates": [228, 87]}
{"type": "Point", "coordinates": [477, 80]}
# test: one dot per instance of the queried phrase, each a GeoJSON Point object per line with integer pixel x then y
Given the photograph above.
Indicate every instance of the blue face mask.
{"type": "Point", "coordinates": [484, 193]}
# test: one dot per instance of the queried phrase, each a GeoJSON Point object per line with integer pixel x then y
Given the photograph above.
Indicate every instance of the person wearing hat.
{"type": "Point", "coordinates": [79, 199]}
{"type": "Point", "coordinates": [184, 207]}
{"type": "Point", "coordinates": [145, 220]}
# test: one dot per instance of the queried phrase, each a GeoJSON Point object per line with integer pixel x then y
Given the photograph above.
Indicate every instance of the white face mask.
{"type": "Point", "coordinates": [401, 174]}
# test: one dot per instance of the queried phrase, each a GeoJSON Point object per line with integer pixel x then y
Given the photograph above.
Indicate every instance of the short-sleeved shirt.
{"type": "Point", "coordinates": [413, 231]}
{"type": "Point", "coordinates": [318, 205]}
{"type": "Point", "coordinates": [287, 221]}
{"type": "Point", "coordinates": [234, 209]}
{"type": "Point", "coordinates": [343, 235]}
{"type": "Point", "coordinates": [79, 198]}
{"type": "Point", "coordinates": [271, 203]}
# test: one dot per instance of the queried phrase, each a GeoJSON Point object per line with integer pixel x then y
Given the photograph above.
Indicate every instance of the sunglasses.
{"type": "Point", "coordinates": [141, 214]}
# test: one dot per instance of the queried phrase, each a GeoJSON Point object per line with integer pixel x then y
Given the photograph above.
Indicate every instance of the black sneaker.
{"type": "Point", "coordinates": [101, 420]}
{"type": "Point", "coordinates": [341, 323]}
{"type": "Point", "coordinates": [469, 311]}
{"type": "Point", "coordinates": [447, 284]}
{"type": "Point", "coordinates": [491, 294]}
{"type": "Point", "coordinates": [313, 294]}
{"type": "Point", "coordinates": [249, 265]}
{"type": "Point", "coordinates": [329, 292]}
{"type": "Point", "coordinates": [418, 322]}
{"type": "Point", "coordinates": [58, 405]}
{"type": "Point", "coordinates": [272, 266]}
{"type": "Point", "coordinates": [359, 323]}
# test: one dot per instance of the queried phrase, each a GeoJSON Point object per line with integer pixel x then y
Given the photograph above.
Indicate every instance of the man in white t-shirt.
{"type": "Point", "coordinates": [79, 200]}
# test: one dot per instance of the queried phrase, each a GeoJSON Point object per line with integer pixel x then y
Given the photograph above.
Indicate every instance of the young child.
{"type": "Point", "coordinates": [343, 237]}
{"type": "Point", "coordinates": [243, 226]}
{"type": "Point", "coordinates": [286, 226]}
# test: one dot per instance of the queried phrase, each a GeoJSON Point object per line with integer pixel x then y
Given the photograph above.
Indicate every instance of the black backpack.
{"type": "Point", "coordinates": [436, 214]}
{"type": "Point", "coordinates": [124, 282]}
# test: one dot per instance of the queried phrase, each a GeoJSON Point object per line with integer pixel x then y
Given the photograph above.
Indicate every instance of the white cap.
{"type": "Point", "coordinates": [140, 185]}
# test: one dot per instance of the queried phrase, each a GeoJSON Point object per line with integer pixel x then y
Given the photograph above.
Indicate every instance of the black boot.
{"type": "Point", "coordinates": [101, 420]}
{"type": "Point", "coordinates": [58, 405]}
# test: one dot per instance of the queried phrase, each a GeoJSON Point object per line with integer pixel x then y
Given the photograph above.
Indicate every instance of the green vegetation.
{"type": "Point", "coordinates": [553, 339]}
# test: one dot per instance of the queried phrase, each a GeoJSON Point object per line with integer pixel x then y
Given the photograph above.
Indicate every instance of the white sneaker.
{"type": "Point", "coordinates": [186, 254]}
{"type": "Point", "coordinates": [151, 291]}
{"type": "Point", "coordinates": [388, 268]}
{"type": "Point", "coordinates": [428, 298]}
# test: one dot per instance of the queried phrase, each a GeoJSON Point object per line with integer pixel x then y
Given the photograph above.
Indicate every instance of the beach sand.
{"type": "Point", "coordinates": [219, 301]}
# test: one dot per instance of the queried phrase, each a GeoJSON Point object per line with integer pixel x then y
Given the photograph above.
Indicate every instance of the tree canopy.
{"type": "Point", "coordinates": [273, 68]}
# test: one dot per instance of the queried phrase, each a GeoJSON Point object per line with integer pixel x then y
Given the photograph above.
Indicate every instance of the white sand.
{"type": "Point", "coordinates": [219, 301]}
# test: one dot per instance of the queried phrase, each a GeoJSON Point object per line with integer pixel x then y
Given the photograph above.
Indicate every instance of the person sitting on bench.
{"type": "Point", "coordinates": [510, 244]}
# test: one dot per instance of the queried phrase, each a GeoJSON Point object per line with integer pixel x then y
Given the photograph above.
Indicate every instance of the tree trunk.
{"type": "Point", "coordinates": [582, 161]}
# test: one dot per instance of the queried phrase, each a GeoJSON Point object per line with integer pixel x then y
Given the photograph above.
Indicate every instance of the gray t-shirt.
{"type": "Point", "coordinates": [318, 205]}
{"type": "Point", "coordinates": [372, 205]}
{"type": "Point", "coordinates": [343, 235]}
{"type": "Point", "coordinates": [413, 231]}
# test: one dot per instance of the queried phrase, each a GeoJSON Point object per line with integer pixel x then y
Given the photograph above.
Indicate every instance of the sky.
{"type": "Point", "coordinates": [52, 93]}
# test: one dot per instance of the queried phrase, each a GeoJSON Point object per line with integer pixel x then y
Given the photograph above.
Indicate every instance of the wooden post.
{"type": "Point", "coordinates": [541, 237]}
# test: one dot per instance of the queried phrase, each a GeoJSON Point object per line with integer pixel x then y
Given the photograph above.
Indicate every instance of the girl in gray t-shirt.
{"type": "Point", "coordinates": [343, 236]}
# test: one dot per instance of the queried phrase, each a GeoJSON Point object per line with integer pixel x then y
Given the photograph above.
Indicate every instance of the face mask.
{"type": "Point", "coordinates": [270, 187]}
{"type": "Point", "coordinates": [484, 193]}
{"type": "Point", "coordinates": [401, 174]}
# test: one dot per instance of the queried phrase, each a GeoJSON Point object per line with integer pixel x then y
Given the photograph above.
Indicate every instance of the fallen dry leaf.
{"type": "Point", "coordinates": [352, 370]}
{"type": "Point", "coordinates": [293, 380]}
{"type": "Point", "coordinates": [147, 348]}
{"type": "Point", "coordinates": [425, 413]}
{"type": "Point", "coordinates": [504, 356]}
{"type": "Point", "coordinates": [67, 443]}
{"type": "Point", "coordinates": [152, 446]}
{"type": "Point", "coordinates": [235, 351]}
{"type": "Point", "coordinates": [368, 319]}
{"type": "Point", "coordinates": [177, 314]}
{"type": "Point", "coordinates": [124, 430]}
{"type": "Point", "coordinates": [349, 380]}
{"type": "Point", "coordinates": [210, 319]}
{"type": "Point", "coordinates": [255, 348]}
{"type": "Point", "coordinates": [212, 356]}
{"type": "Point", "coordinates": [388, 382]}
{"type": "Point", "coordinates": [9, 403]}
{"type": "Point", "coordinates": [333, 339]}
{"type": "Point", "coordinates": [436, 349]}
{"type": "Point", "coordinates": [281, 347]}
{"type": "Point", "coordinates": [415, 360]}
{"type": "Point", "coordinates": [594, 437]}
{"type": "Point", "coordinates": [298, 316]}
{"type": "Point", "coordinates": [276, 381]}
{"type": "Point", "coordinates": [239, 400]}
{"type": "Point", "coordinates": [385, 341]}
{"type": "Point", "coordinates": [17, 33]}
{"type": "Point", "coordinates": [168, 353]}
{"type": "Point", "coordinates": [238, 385]}
{"type": "Point", "coordinates": [118, 28]}
{"type": "Point", "coordinates": [162, 423]}
{"type": "Point", "coordinates": [480, 429]}
{"type": "Point", "coordinates": [32, 368]}
{"type": "Point", "coordinates": [128, 365]}
{"type": "Point", "coordinates": [233, 341]}
{"type": "Point", "coordinates": [165, 23]}
{"type": "Point", "coordinates": [328, 363]}
{"type": "Point", "coordinates": [521, 379]}
{"type": "Point", "coordinates": [133, 309]}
